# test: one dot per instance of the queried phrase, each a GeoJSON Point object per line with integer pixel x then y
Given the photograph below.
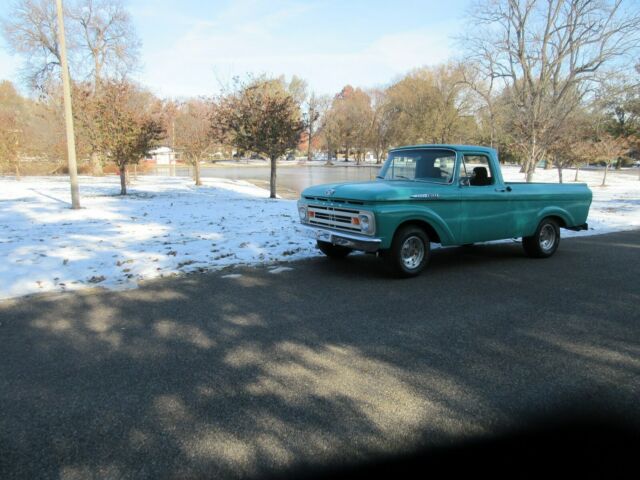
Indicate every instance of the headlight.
{"type": "Point", "coordinates": [302, 211]}
{"type": "Point", "coordinates": [367, 222]}
{"type": "Point", "coordinates": [364, 223]}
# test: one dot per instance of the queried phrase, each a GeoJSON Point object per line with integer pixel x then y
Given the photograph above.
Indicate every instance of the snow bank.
{"type": "Point", "coordinates": [167, 226]}
{"type": "Point", "coordinates": [164, 227]}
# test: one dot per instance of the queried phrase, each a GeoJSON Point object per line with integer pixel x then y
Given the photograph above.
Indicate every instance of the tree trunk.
{"type": "Point", "coordinates": [309, 148]}
{"type": "Point", "coordinates": [606, 170]}
{"type": "Point", "coordinates": [123, 181]}
{"type": "Point", "coordinates": [196, 166]}
{"type": "Point", "coordinates": [530, 169]}
{"type": "Point", "coordinates": [531, 165]}
{"type": "Point", "coordinates": [96, 165]}
{"type": "Point", "coordinates": [272, 181]}
{"type": "Point", "coordinates": [346, 156]}
{"type": "Point", "coordinates": [577, 172]}
{"type": "Point", "coordinates": [18, 177]}
{"type": "Point", "coordinates": [559, 173]}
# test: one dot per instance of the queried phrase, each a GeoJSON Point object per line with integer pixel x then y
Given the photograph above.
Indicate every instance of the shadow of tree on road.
{"type": "Point", "coordinates": [207, 376]}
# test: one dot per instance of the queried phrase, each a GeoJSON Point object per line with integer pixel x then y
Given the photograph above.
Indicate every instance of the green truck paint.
{"type": "Point", "coordinates": [442, 190]}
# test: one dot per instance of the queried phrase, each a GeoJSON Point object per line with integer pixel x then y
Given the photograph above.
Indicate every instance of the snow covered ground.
{"type": "Point", "coordinates": [166, 226]}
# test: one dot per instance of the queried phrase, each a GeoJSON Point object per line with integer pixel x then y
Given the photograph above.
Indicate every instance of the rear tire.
{"type": "Point", "coordinates": [545, 240]}
{"type": "Point", "coordinates": [409, 253]}
{"type": "Point", "coordinates": [333, 251]}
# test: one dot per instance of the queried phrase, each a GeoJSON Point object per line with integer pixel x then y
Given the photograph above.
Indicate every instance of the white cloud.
{"type": "Point", "coordinates": [189, 56]}
{"type": "Point", "coordinates": [214, 51]}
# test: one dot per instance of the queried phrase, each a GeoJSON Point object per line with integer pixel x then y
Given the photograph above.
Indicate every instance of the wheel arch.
{"type": "Point", "coordinates": [394, 217]}
{"type": "Point", "coordinates": [429, 229]}
{"type": "Point", "coordinates": [560, 215]}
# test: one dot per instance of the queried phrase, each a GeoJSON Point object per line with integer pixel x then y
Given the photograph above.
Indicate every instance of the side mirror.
{"type": "Point", "coordinates": [464, 182]}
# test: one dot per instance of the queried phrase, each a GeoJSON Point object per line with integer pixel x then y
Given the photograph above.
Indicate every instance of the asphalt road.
{"type": "Point", "coordinates": [208, 376]}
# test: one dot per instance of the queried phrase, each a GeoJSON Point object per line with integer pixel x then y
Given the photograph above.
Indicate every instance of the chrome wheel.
{"type": "Point", "coordinates": [412, 252]}
{"type": "Point", "coordinates": [547, 237]}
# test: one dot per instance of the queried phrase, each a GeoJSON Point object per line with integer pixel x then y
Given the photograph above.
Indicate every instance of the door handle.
{"type": "Point", "coordinates": [507, 189]}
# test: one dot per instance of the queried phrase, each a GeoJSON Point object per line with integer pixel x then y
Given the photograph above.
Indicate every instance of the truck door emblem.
{"type": "Point", "coordinates": [425, 195]}
{"type": "Point", "coordinates": [329, 192]}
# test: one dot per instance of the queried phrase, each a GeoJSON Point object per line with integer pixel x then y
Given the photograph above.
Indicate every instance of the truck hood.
{"type": "Point", "coordinates": [375, 191]}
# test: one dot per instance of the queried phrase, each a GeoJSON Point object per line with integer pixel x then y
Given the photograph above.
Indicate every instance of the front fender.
{"type": "Point", "coordinates": [390, 217]}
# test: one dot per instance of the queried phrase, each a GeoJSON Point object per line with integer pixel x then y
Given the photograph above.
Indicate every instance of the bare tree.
{"type": "Point", "coordinates": [312, 117]}
{"type": "Point", "coordinates": [101, 40]}
{"type": "Point", "coordinates": [329, 131]}
{"type": "Point", "coordinates": [31, 30]}
{"type": "Point", "coordinates": [105, 37]}
{"type": "Point", "coordinates": [348, 121]}
{"type": "Point", "coordinates": [382, 123]}
{"type": "Point", "coordinates": [477, 75]}
{"type": "Point", "coordinates": [609, 148]}
{"type": "Point", "coordinates": [431, 105]}
{"type": "Point", "coordinates": [572, 143]}
{"type": "Point", "coordinates": [546, 53]}
{"type": "Point", "coordinates": [193, 136]}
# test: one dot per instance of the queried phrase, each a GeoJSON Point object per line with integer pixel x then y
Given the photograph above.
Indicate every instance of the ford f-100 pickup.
{"type": "Point", "coordinates": [446, 194]}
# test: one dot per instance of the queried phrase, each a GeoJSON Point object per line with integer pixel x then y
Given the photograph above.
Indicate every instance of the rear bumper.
{"type": "Point", "coordinates": [577, 228]}
{"type": "Point", "coordinates": [357, 242]}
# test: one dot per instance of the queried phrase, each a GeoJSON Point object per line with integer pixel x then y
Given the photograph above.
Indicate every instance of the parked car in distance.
{"type": "Point", "coordinates": [446, 194]}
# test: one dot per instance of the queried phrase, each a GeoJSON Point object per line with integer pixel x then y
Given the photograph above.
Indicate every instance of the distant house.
{"type": "Point", "coordinates": [163, 156]}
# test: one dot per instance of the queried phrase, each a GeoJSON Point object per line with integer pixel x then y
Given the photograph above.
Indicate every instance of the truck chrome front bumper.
{"type": "Point", "coordinates": [344, 239]}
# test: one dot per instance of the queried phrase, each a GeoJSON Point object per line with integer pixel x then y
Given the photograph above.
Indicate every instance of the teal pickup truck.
{"type": "Point", "coordinates": [446, 194]}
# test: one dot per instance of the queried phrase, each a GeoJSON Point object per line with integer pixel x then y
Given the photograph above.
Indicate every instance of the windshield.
{"type": "Point", "coordinates": [421, 164]}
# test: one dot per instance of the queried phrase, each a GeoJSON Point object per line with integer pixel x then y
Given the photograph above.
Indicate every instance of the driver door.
{"type": "Point", "coordinates": [485, 211]}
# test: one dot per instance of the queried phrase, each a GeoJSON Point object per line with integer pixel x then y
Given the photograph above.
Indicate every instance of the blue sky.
{"type": "Point", "coordinates": [190, 47]}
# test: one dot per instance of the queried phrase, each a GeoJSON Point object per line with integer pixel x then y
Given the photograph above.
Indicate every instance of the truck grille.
{"type": "Point", "coordinates": [333, 217]}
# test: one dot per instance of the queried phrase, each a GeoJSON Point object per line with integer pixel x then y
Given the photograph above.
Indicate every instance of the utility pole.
{"type": "Point", "coordinates": [68, 114]}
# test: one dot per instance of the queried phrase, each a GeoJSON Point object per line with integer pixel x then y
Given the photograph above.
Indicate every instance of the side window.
{"type": "Point", "coordinates": [477, 169]}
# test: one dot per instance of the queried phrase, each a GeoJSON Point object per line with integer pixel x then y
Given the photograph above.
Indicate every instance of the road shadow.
{"type": "Point", "coordinates": [204, 376]}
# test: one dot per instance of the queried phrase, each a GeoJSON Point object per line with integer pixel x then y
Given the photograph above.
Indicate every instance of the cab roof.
{"type": "Point", "coordinates": [458, 148]}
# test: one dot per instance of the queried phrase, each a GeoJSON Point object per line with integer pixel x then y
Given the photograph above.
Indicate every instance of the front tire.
{"type": "Point", "coordinates": [409, 253]}
{"type": "Point", "coordinates": [545, 240]}
{"type": "Point", "coordinates": [333, 251]}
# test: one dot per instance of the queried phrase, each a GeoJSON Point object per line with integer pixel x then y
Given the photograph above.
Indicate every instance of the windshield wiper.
{"type": "Point", "coordinates": [380, 177]}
